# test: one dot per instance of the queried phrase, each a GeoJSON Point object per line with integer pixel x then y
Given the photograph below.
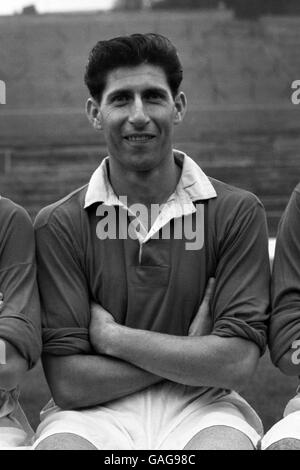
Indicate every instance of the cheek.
{"type": "Point", "coordinates": [166, 118]}
{"type": "Point", "coordinates": [111, 124]}
{"type": "Point", "coordinates": [167, 124]}
{"type": "Point", "coordinates": [112, 117]}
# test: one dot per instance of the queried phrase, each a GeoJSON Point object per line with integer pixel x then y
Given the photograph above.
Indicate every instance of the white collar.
{"type": "Point", "coordinates": [193, 182]}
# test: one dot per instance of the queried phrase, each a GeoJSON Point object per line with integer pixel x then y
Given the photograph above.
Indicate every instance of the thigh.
{"type": "Point", "coordinates": [95, 428]}
{"type": "Point", "coordinates": [15, 430]}
{"type": "Point", "coordinates": [220, 425]}
{"type": "Point", "coordinates": [12, 436]}
{"type": "Point", "coordinates": [284, 434]}
{"type": "Point", "coordinates": [285, 444]}
{"type": "Point", "coordinates": [65, 441]}
{"type": "Point", "coordinates": [220, 438]}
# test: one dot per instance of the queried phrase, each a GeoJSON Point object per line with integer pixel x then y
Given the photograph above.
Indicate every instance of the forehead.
{"type": "Point", "coordinates": [135, 78]}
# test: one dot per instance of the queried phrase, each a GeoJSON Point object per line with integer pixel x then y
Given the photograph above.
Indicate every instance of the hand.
{"type": "Point", "coordinates": [203, 323]}
{"type": "Point", "coordinates": [1, 301]}
{"type": "Point", "coordinates": [101, 325]}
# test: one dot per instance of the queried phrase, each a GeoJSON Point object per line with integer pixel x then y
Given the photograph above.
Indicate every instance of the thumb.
{"type": "Point", "coordinates": [209, 289]}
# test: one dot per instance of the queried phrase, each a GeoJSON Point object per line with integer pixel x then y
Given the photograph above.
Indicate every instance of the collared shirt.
{"type": "Point", "coordinates": [284, 322]}
{"type": "Point", "coordinates": [193, 185]}
{"type": "Point", "coordinates": [20, 315]}
{"type": "Point", "coordinates": [160, 288]}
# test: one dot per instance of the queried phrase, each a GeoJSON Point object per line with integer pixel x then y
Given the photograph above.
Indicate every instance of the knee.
{"type": "Point", "coordinates": [285, 444]}
{"type": "Point", "coordinates": [65, 441]}
{"type": "Point", "coordinates": [220, 438]}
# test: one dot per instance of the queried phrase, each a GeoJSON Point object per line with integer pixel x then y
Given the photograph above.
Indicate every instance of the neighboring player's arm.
{"type": "Point", "coordinates": [12, 366]}
{"type": "Point", "coordinates": [20, 335]}
{"type": "Point", "coordinates": [284, 337]}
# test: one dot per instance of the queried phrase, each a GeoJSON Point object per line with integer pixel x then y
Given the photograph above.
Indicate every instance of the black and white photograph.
{"type": "Point", "coordinates": [150, 227]}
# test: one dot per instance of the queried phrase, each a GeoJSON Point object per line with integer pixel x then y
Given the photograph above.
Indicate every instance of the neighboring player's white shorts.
{"type": "Point", "coordinates": [288, 427]}
{"type": "Point", "coordinates": [15, 430]}
{"type": "Point", "coordinates": [164, 416]}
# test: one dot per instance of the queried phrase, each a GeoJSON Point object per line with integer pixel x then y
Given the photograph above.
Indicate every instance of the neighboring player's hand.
{"type": "Point", "coordinates": [101, 325]}
{"type": "Point", "coordinates": [203, 323]}
{"type": "Point", "coordinates": [1, 301]}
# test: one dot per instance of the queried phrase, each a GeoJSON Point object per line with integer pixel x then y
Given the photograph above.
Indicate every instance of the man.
{"type": "Point", "coordinates": [123, 265]}
{"type": "Point", "coordinates": [20, 330]}
{"type": "Point", "coordinates": [284, 340]}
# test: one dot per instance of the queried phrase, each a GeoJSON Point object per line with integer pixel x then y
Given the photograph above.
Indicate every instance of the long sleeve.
{"type": "Point", "coordinates": [242, 291]}
{"type": "Point", "coordinates": [63, 289]}
{"type": "Point", "coordinates": [285, 319]}
{"type": "Point", "coordinates": [20, 316]}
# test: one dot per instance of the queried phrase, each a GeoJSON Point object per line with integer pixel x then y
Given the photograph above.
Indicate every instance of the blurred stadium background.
{"type": "Point", "coordinates": [241, 125]}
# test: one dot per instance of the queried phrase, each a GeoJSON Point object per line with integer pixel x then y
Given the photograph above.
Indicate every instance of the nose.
{"type": "Point", "coordinates": [138, 114]}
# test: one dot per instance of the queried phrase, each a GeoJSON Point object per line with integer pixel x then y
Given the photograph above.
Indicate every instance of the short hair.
{"type": "Point", "coordinates": [131, 51]}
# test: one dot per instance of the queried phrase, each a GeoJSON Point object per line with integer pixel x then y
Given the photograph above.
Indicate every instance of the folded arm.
{"type": "Point", "coordinates": [77, 376]}
{"type": "Point", "coordinates": [12, 366]}
{"type": "Point", "coordinates": [79, 380]}
{"type": "Point", "coordinates": [128, 359]}
{"type": "Point", "coordinates": [20, 331]}
{"type": "Point", "coordinates": [228, 356]}
{"type": "Point", "coordinates": [191, 360]}
{"type": "Point", "coordinates": [284, 336]}
{"type": "Point", "coordinates": [84, 380]}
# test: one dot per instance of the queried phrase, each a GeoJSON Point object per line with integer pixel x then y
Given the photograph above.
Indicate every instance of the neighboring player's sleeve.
{"type": "Point", "coordinates": [285, 318]}
{"type": "Point", "coordinates": [241, 299]}
{"type": "Point", "coordinates": [63, 290]}
{"type": "Point", "coordinates": [20, 315]}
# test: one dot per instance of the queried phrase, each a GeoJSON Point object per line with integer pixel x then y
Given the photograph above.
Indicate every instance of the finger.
{"type": "Point", "coordinates": [93, 305]}
{"type": "Point", "coordinates": [207, 294]}
{"type": "Point", "coordinates": [209, 289]}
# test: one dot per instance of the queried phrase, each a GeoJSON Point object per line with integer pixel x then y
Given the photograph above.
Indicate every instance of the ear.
{"type": "Point", "coordinates": [180, 107]}
{"type": "Point", "coordinates": [92, 109]}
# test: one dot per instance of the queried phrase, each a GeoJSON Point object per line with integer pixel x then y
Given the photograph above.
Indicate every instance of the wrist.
{"type": "Point", "coordinates": [104, 341]}
{"type": "Point", "coordinates": [112, 339]}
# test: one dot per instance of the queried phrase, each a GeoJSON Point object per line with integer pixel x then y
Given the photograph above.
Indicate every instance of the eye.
{"type": "Point", "coordinates": [120, 99]}
{"type": "Point", "coordinates": [154, 96]}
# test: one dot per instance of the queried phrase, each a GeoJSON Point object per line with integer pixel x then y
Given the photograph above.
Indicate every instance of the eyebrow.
{"type": "Point", "coordinates": [128, 91]}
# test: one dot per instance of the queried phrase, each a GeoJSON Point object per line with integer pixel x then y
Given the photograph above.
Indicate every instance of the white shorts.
{"type": "Point", "coordinates": [15, 430]}
{"type": "Point", "coordinates": [288, 427]}
{"type": "Point", "coordinates": [164, 416]}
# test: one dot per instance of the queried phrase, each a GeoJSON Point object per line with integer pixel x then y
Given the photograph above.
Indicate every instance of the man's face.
{"type": "Point", "coordinates": [137, 114]}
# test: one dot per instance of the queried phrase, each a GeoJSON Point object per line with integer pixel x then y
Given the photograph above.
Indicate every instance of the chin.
{"type": "Point", "coordinates": [142, 166]}
{"type": "Point", "coordinates": [141, 163]}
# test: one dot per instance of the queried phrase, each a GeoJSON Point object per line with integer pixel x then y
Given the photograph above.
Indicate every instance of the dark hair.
{"type": "Point", "coordinates": [131, 51]}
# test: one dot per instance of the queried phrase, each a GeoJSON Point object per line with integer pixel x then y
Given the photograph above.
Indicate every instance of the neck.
{"type": "Point", "coordinates": [145, 187]}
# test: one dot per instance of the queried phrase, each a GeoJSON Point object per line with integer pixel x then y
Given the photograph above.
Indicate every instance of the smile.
{"type": "Point", "coordinates": [139, 137]}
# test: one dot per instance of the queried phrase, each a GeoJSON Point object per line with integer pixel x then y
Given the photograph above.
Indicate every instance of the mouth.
{"type": "Point", "coordinates": [139, 138]}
